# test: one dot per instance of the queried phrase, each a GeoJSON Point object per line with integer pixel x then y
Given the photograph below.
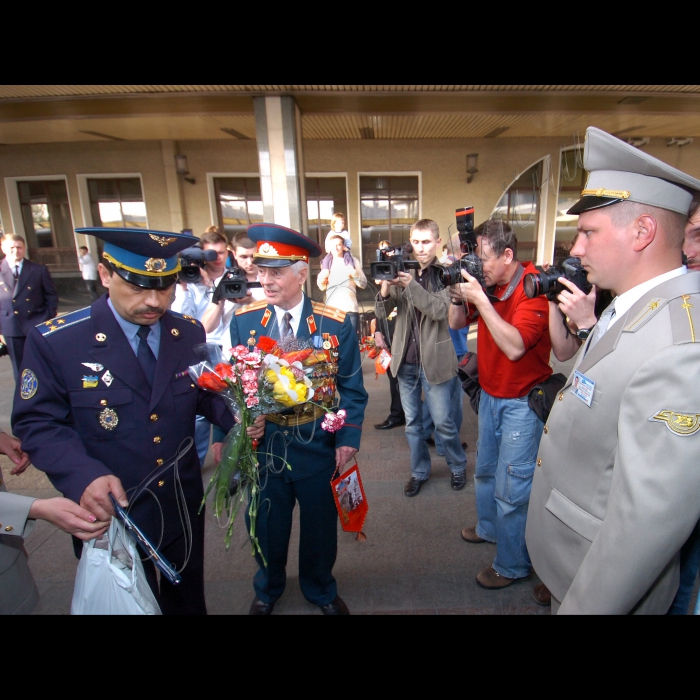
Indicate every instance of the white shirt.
{"type": "Point", "coordinates": [295, 312]}
{"type": "Point", "coordinates": [342, 291]}
{"type": "Point", "coordinates": [626, 301]}
{"type": "Point", "coordinates": [87, 266]}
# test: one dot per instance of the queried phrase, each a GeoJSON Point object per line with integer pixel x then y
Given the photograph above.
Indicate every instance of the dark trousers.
{"type": "Point", "coordinates": [318, 538]}
{"type": "Point", "coordinates": [92, 289]}
{"type": "Point", "coordinates": [15, 346]}
{"type": "Point", "coordinates": [396, 413]}
{"type": "Point", "coordinates": [187, 597]}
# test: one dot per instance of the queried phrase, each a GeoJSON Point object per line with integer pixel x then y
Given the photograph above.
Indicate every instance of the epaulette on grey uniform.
{"type": "Point", "coordinates": [64, 321]}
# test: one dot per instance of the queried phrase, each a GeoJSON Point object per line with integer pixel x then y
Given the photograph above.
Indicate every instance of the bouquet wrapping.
{"type": "Point", "coordinates": [260, 379]}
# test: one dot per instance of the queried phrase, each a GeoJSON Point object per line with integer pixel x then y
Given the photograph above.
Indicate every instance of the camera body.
{"type": "Point", "coordinates": [470, 261]}
{"type": "Point", "coordinates": [233, 285]}
{"type": "Point", "coordinates": [192, 262]}
{"type": "Point", "coordinates": [391, 260]}
{"type": "Point", "coordinates": [546, 282]}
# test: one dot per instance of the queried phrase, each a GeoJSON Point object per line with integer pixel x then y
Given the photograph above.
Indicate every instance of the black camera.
{"type": "Point", "coordinates": [547, 282]}
{"type": "Point", "coordinates": [192, 262]}
{"type": "Point", "coordinates": [233, 285]}
{"type": "Point", "coordinates": [391, 260]}
{"type": "Point", "coordinates": [470, 261]}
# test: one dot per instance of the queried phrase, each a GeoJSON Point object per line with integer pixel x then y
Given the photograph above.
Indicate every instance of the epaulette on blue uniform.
{"type": "Point", "coordinates": [64, 321]}
{"type": "Point", "coordinates": [185, 317]}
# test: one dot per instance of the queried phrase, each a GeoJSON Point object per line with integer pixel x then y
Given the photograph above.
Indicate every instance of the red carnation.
{"type": "Point", "coordinates": [266, 344]}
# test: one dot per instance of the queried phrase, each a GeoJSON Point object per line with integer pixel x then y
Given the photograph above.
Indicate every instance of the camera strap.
{"type": "Point", "coordinates": [514, 282]}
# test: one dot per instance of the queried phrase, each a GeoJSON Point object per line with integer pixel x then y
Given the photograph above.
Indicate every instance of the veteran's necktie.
{"type": "Point", "coordinates": [602, 325]}
{"type": "Point", "coordinates": [287, 331]}
{"type": "Point", "coordinates": [15, 274]}
{"type": "Point", "coordinates": [145, 355]}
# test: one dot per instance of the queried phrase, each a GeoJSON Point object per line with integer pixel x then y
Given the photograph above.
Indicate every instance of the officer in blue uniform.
{"type": "Point", "coordinates": [313, 454]}
{"type": "Point", "coordinates": [104, 404]}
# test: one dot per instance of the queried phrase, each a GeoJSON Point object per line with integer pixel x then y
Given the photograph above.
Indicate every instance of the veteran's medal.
{"type": "Point", "coordinates": [109, 419]}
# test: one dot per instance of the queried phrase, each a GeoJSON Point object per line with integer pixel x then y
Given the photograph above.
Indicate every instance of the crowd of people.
{"type": "Point", "coordinates": [597, 494]}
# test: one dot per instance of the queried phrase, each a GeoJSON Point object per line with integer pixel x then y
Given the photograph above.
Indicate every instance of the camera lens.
{"type": "Point", "coordinates": [531, 285]}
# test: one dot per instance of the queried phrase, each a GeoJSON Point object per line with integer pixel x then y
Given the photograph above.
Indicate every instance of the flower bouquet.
{"type": "Point", "coordinates": [260, 379]}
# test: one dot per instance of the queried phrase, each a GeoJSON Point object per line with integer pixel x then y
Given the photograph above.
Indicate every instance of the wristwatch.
{"type": "Point", "coordinates": [583, 333]}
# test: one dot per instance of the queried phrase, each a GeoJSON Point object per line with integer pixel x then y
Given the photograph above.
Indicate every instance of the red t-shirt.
{"type": "Point", "coordinates": [499, 376]}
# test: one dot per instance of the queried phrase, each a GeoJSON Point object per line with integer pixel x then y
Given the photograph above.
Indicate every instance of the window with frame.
{"type": "Point", "coordinates": [238, 204]}
{"type": "Point", "coordinates": [520, 207]}
{"type": "Point", "coordinates": [324, 197]}
{"type": "Point", "coordinates": [389, 206]}
{"type": "Point", "coordinates": [48, 225]}
{"type": "Point", "coordinates": [572, 178]}
{"type": "Point", "coordinates": [117, 202]}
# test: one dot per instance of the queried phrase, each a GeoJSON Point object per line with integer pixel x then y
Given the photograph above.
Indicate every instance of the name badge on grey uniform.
{"type": "Point", "coordinates": [583, 388]}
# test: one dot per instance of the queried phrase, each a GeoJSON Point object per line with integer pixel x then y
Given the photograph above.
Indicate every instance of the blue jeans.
{"type": "Point", "coordinates": [690, 562]}
{"type": "Point", "coordinates": [412, 383]}
{"type": "Point", "coordinates": [506, 454]}
{"type": "Point", "coordinates": [202, 433]}
{"type": "Point", "coordinates": [456, 395]}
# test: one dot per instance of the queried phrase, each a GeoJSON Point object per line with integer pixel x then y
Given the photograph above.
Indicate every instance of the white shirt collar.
{"type": "Point", "coordinates": [626, 301]}
{"type": "Point", "coordinates": [295, 312]}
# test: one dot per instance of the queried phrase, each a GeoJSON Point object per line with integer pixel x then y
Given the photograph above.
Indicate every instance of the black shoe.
{"type": "Point", "coordinates": [389, 423]}
{"type": "Point", "coordinates": [413, 487]}
{"type": "Point", "coordinates": [336, 607]}
{"type": "Point", "coordinates": [260, 608]}
{"type": "Point", "coordinates": [459, 481]}
{"type": "Point", "coordinates": [430, 441]}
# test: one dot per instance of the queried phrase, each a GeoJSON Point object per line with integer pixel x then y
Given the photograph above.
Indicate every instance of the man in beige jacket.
{"type": "Point", "coordinates": [423, 356]}
{"type": "Point", "coordinates": [615, 494]}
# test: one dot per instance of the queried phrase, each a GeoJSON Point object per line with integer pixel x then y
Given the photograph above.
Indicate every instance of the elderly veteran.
{"type": "Point", "coordinates": [104, 404]}
{"type": "Point", "coordinates": [615, 492]}
{"type": "Point", "coordinates": [297, 440]}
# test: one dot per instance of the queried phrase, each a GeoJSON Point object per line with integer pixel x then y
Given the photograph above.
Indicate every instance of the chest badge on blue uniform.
{"type": "Point", "coordinates": [28, 384]}
{"type": "Point", "coordinates": [107, 378]}
{"type": "Point", "coordinates": [109, 419]}
{"type": "Point", "coordinates": [89, 382]}
{"type": "Point", "coordinates": [94, 366]}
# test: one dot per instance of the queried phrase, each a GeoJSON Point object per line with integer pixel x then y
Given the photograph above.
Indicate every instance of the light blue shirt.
{"type": "Point", "coordinates": [131, 329]}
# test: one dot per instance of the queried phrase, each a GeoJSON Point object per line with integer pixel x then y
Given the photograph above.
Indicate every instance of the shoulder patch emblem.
{"type": "Point", "coordinates": [28, 384]}
{"type": "Point", "coordinates": [255, 306]}
{"type": "Point", "coordinates": [678, 423]}
{"type": "Point", "coordinates": [65, 321]}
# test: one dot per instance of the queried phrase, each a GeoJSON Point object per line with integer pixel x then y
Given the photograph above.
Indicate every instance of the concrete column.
{"type": "Point", "coordinates": [280, 154]}
{"type": "Point", "coordinates": [173, 184]}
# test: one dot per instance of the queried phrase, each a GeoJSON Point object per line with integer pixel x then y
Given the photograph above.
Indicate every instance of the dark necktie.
{"type": "Point", "coordinates": [287, 331]}
{"type": "Point", "coordinates": [145, 355]}
{"type": "Point", "coordinates": [15, 274]}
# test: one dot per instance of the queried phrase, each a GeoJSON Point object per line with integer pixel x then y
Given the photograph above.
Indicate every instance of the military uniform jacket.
{"type": "Point", "coordinates": [83, 409]}
{"type": "Point", "coordinates": [615, 492]}
{"type": "Point", "coordinates": [35, 299]}
{"type": "Point", "coordinates": [317, 318]}
{"type": "Point", "coordinates": [18, 592]}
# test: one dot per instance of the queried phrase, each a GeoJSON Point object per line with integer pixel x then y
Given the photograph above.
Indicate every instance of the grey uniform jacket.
{"type": "Point", "coordinates": [18, 592]}
{"type": "Point", "coordinates": [617, 489]}
{"type": "Point", "coordinates": [437, 352]}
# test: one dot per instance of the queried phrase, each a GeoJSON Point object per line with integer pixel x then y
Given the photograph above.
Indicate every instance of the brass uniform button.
{"type": "Point", "coordinates": [546, 430]}
{"type": "Point", "coordinates": [17, 313]}
{"type": "Point", "coordinates": [175, 332]}
{"type": "Point", "coordinates": [27, 299]}
{"type": "Point", "coordinates": [192, 385]}
{"type": "Point", "coordinates": [561, 396]}
{"type": "Point", "coordinates": [154, 417]}
{"type": "Point", "coordinates": [539, 462]}
{"type": "Point", "coordinates": [103, 402]}
{"type": "Point", "coordinates": [161, 483]}
{"type": "Point", "coordinates": [156, 439]}
{"type": "Point", "coordinates": [159, 462]}
{"type": "Point", "coordinates": [9, 528]}
{"type": "Point", "coordinates": [29, 288]}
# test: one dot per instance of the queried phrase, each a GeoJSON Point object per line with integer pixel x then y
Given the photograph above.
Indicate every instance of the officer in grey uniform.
{"type": "Point", "coordinates": [615, 491]}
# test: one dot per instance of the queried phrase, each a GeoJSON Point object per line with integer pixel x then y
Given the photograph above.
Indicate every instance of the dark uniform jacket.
{"type": "Point", "coordinates": [35, 299]}
{"type": "Point", "coordinates": [83, 409]}
{"type": "Point", "coordinates": [305, 459]}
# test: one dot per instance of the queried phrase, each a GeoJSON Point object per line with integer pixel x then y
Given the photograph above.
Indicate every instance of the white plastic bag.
{"type": "Point", "coordinates": [110, 579]}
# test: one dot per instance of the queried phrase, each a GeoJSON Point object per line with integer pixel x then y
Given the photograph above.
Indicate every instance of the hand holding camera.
{"type": "Point", "coordinates": [577, 306]}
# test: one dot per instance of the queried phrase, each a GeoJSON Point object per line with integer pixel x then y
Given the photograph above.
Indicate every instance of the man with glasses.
{"type": "Point", "coordinates": [513, 350]}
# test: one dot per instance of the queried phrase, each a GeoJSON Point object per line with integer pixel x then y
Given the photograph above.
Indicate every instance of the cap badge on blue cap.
{"type": "Point", "coordinates": [162, 240]}
{"type": "Point", "coordinates": [155, 265]}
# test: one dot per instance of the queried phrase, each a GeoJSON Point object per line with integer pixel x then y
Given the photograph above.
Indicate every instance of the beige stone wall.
{"type": "Point", "coordinates": [442, 164]}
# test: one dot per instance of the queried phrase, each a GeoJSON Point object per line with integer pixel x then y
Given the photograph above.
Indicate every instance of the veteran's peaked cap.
{"type": "Point", "coordinates": [620, 172]}
{"type": "Point", "coordinates": [278, 246]}
{"type": "Point", "coordinates": [143, 257]}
